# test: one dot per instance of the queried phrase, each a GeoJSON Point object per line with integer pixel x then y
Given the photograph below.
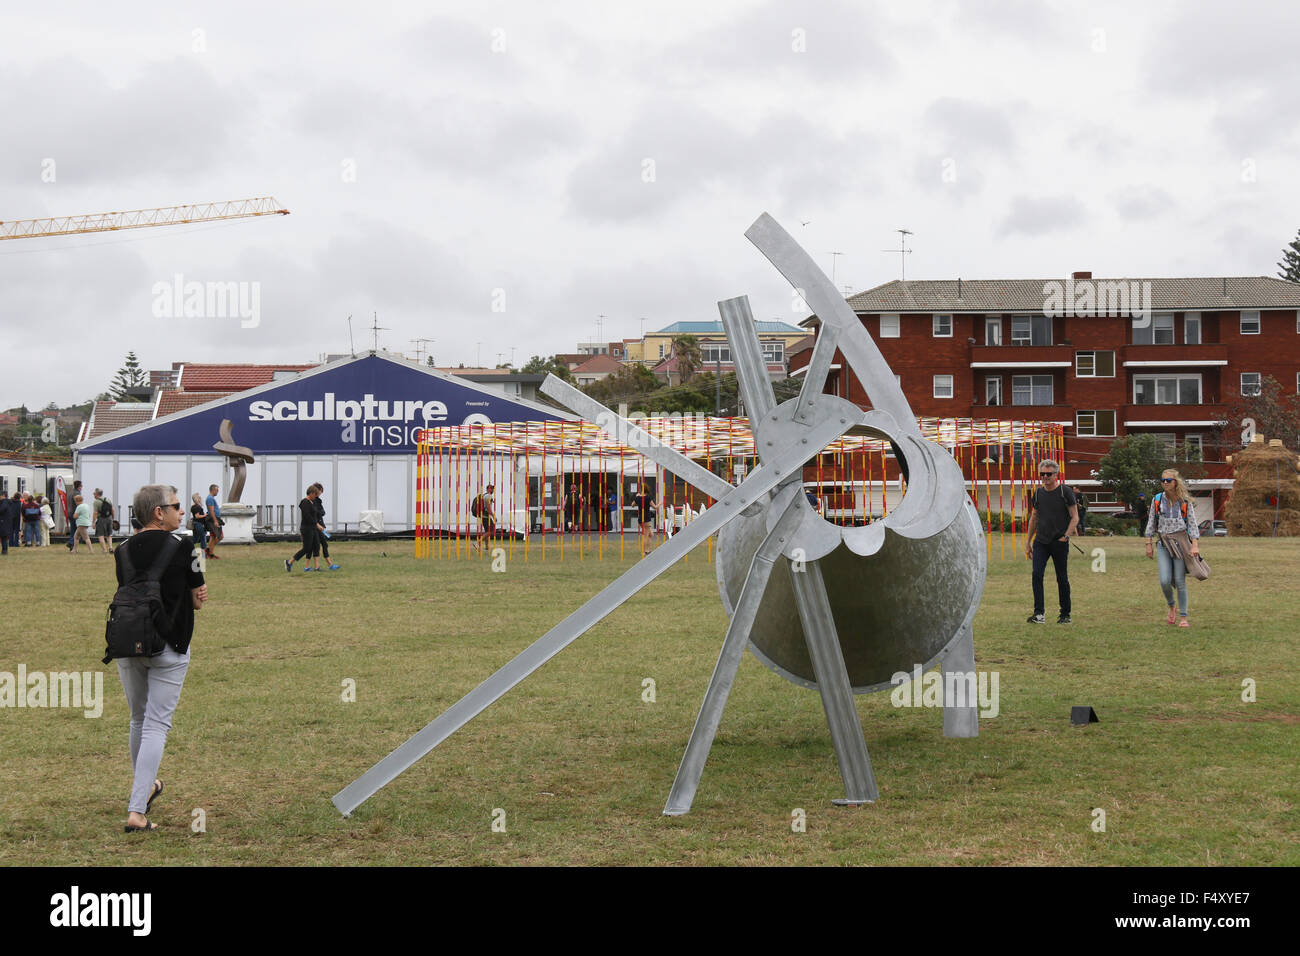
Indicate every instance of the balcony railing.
{"type": "Point", "coordinates": [1171, 356]}
{"type": "Point", "coordinates": [1022, 356]}
{"type": "Point", "coordinates": [1174, 413]}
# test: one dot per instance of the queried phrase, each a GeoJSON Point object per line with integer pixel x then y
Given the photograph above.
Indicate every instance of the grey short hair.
{"type": "Point", "coordinates": [1047, 464]}
{"type": "Point", "coordinates": [148, 498]}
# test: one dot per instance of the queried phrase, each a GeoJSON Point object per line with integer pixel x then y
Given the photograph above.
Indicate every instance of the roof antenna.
{"type": "Point", "coordinates": [902, 251]}
{"type": "Point", "coordinates": [351, 348]}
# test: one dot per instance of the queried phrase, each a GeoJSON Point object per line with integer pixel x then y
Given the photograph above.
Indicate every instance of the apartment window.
{"type": "Point", "coordinates": [1166, 389]}
{"type": "Point", "coordinates": [1031, 390]}
{"type": "Point", "coordinates": [1153, 330]}
{"type": "Point", "coordinates": [993, 330]}
{"type": "Point", "coordinates": [1250, 383]}
{"type": "Point", "coordinates": [943, 326]}
{"type": "Point", "coordinates": [713, 354]}
{"type": "Point", "coordinates": [943, 386]}
{"type": "Point", "coordinates": [1250, 323]}
{"type": "Point", "coordinates": [661, 351]}
{"type": "Point", "coordinates": [1094, 364]}
{"type": "Point", "coordinates": [1168, 444]}
{"type": "Point", "coordinates": [1192, 328]}
{"type": "Point", "coordinates": [774, 352]}
{"type": "Point", "coordinates": [1194, 447]}
{"type": "Point", "coordinates": [993, 390]}
{"type": "Point", "coordinates": [1094, 424]}
{"type": "Point", "coordinates": [889, 326]}
{"type": "Point", "coordinates": [1031, 330]}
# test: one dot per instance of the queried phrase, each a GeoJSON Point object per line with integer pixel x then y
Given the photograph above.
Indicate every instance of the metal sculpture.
{"type": "Point", "coordinates": [849, 607]}
{"type": "Point", "coordinates": [239, 457]}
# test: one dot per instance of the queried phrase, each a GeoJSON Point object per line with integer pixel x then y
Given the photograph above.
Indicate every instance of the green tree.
{"type": "Point", "coordinates": [686, 349]}
{"type": "Point", "coordinates": [1289, 267]}
{"type": "Point", "coordinates": [130, 375]}
{"type": "Point", "coordinates": [1275, 413]}
{"type": "Point", "coordinates": [1133, 465]}
{"type": "Point", "coordinates": [543, 366]}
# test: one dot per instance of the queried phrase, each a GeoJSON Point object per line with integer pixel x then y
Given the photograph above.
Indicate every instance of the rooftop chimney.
{"type": "Point", "coordinates": [1081, 275]}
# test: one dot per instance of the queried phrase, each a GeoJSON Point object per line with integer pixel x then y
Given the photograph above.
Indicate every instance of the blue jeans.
{"type": "Point", "coordinates": [1173, 574]}
{"type": "Point", "coordinates": [31, 533]}
{"type": "Point", "coordinates": [153, 688]}
{"type": "Point", "coordinates": [1059, 552]}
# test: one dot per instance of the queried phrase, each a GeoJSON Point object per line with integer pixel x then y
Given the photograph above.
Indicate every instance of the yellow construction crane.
{"type": "Point", "coordinates": [140, 218]}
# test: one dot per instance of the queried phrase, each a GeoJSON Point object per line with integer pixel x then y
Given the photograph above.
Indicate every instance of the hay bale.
{"type": "Point", "coordinates": [1266, 492]}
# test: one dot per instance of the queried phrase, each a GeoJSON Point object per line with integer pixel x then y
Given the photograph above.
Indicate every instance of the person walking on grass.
{"type": "Point", "coordinates": [1052, 520]}
{"type": "Point", "coordinates": [323, 539]}
{"type": "Point", "coordinates": [82, 518]}
{"type": "Point", "coordinates": [1172, 515]}
{"type": "Point", "coordinates": [103, 513]}
{"type": "Point", "coordinates": [214, 521]}
{"type": "Point", "coordinates": [481, 508]}
{"type": "Point", "coordinates": [308, 528]}
{"type": "Point", "coordinates": [153, 684]}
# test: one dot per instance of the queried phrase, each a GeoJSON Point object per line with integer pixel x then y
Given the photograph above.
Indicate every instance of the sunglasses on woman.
{"type": "Point", "coordinates": [1166, 479]}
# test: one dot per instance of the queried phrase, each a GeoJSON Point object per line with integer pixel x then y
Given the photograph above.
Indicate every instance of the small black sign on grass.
{"type": "Point", "coordinates": [1083, 715]}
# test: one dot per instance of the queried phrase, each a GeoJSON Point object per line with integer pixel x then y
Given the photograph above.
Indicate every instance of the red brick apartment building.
{"type": "Point", "coordinates": [1104, 358]}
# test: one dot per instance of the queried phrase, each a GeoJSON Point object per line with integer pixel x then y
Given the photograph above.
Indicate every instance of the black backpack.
{"type": "Point", "coordinates": [137, 625]}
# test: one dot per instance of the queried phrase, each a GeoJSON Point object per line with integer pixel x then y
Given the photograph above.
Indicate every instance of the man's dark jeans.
{"type": "Point", "coordinates": [1059, 552]}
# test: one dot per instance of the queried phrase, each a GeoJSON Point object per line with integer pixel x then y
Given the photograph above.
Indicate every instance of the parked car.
{"type": "Point", "coordinates": [1214, 528]}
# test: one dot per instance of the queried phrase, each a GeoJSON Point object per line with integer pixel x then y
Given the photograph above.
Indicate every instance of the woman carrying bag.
{"type": "Point", "coordinates": [1173, 518]}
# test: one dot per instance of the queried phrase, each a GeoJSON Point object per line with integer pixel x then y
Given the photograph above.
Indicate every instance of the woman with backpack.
{"type": "Point", "coordinates": [1172, 513]}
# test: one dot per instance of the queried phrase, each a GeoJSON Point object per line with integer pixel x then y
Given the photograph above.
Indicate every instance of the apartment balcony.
{"type": "Point", "coordinates": [1173, 356]}
{"type": "Point", "coordinates": [1021, 356]}
{"type": "Point", "coordinates": [1062, 414]}
{"type": "Point", "coordinates": [1173, 416]}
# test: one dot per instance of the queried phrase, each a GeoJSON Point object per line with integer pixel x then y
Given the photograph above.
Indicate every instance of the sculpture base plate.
{"type": "Point", "coordinates": [846, 802]}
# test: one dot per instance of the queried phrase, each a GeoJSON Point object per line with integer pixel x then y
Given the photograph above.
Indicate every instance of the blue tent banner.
{"type": "Point", "coordinates": [365, 406]}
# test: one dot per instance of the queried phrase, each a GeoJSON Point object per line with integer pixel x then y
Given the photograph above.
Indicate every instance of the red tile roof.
{"type": "Point", "coordinates": [232, 378]}
{"type": "Point", "coordinates": [108, 417]}
{"type": "Point", "coordinates": [175, 401]}
{"type": "Point", "coordinates": [599, 363]}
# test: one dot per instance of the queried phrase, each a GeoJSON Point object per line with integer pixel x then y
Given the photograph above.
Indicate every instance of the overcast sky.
{"type": "Point", "coordinates": [606, 158]}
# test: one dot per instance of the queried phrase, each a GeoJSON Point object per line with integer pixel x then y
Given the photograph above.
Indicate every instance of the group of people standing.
{"type": "Point", "coordinates": [22, 521]}
{"type": "Point", "coordinates": [26, 520]}
{"type": "Point", "coordinates": [311, 527]}
{"type": "Point", "coordinates": [1055, 516]}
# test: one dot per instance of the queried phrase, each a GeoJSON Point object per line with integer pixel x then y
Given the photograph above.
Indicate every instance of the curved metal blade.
{"type": "Point", "coordinates": [850, 337]}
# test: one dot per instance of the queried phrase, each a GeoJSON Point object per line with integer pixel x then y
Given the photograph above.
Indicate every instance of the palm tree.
{"type": "Point", "coordinates": [686, 349]}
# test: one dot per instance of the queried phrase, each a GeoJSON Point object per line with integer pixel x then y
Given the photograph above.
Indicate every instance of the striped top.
{"type": "Point", "coordinates": [1170, 518]}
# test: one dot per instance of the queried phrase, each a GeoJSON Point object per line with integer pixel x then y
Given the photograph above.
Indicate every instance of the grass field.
{"type": "Point", "coordinates": [1187, 772]}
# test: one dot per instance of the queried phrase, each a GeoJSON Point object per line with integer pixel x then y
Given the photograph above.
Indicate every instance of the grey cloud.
{"type": "Point", "coordinates": [1142, 202]}
{"type": "Point", "coordinates": [173, 120]}
{"type": "Point", "coordinates": [1032, 216]}
{"type": "Point", "coordinates": [456, 133]}
{"type": "Point", "coordinates": [964, 138]}
{"type": "Point", "coordinates": [1241, 59]}
{"type": "Point", "coordinates": [695, 154]}
{"type": "Point", "coordinates": [839, 40]}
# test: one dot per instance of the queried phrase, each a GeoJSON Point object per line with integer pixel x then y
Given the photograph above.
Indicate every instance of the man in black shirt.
{"type": "Point", "coordinates": [1053, 519]}
{"type": "Point", "coordinates": [153, 684]}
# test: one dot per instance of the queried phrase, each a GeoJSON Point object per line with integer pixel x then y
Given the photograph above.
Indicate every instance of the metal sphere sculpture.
{"type": "Point", "coordinates": [839, 609]}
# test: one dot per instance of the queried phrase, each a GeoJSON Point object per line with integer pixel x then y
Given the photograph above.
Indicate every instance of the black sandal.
{"type": "Point", "coordinates": [147, 828]}
{"type": "Point", "coordinates": [157, 791]}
